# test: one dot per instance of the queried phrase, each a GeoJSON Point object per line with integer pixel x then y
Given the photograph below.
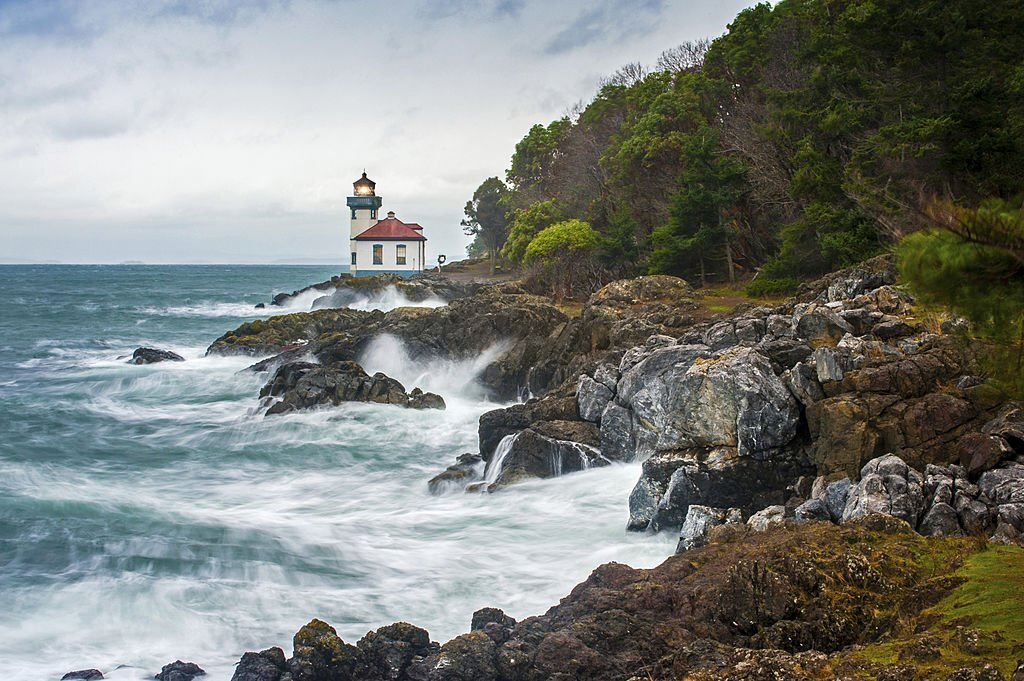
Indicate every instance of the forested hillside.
{"type": "Point", "coordinates": [812, 135]}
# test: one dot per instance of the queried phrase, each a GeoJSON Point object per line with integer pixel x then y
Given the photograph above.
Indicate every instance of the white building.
{"type": "Point", "coordinates": [379, 246]}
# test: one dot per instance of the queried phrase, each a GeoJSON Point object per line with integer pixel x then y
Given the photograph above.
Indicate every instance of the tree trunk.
{"type": "Point", "coordinates": [728, 262]}
{"type": "Point", "coordinates": [703, 275]}
{"type": "Point", "coordinates": [494, 253]}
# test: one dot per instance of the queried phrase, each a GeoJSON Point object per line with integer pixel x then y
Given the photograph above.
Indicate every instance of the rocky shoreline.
{"type": "Point", "coordinates": [814, 457]}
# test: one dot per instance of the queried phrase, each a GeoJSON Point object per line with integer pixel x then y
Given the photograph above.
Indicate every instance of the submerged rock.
{"type": "Point", "coordinates": [154, 355]}
{"type": "Point", "coordinates": [467, 469]}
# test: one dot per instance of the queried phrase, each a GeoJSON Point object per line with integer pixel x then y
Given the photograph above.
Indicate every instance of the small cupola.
{"type": "Point", "coordinates": [391, 215]}
{"type": "Point", "coordinates": [364, 186]}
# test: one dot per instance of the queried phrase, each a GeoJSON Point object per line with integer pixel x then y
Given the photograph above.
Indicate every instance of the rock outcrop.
{"type": "Point", "coordinates": [304, 385]}
{"type": "Point", "coordinates": [811, 601]}
{"type": "Point", "coordinates": [343, 290]}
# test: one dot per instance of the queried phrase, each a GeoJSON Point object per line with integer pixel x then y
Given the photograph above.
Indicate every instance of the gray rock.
{"type": "Point", "coordinates": [812, 509]}
{"type": "Point", "coordinates": [887, 486]}
{"type": "Point", "coordinates": [607, 375]}
{"type": "Point", "coordinates": [818, 323]}
{"type": "Point", "coordinates": [1005, 534]}
{"type": "Point", "coordinates": [592, 397]}
{"type": "Point", "coordinates": [1012, 514]}
{"type": "Point", "coordinates": [682, 398]}
{"type": "Point", "coordinates": [650, 488]}
{"type": "Point", "coordinates": [785, 352]}
{"type": "Point", "coordinates": [618, 442]}
{"type": "Point", "coordinates": [941, 520]}
{"type": "Point", "coordinates": [767, 517]}
{"type": "Point", "coordinates": [534, 455]}
{"type": "Point", "coordinates": [1003, 485]}
{"type": "Point", "coordinates": [699, 521]}
{"type": "Point", "coordinates": [802, 381]}
{"type": "Point", "coordinates": [718, 478]}
{"type": "Point", "coordinates": [975, 517]}
{"type": "Point", "coordinates": [831, 364]}
{"type": "Point", "coordinates": [835, 497]}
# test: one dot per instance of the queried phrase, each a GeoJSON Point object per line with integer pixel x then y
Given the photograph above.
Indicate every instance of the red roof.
{"type": "Point", "coordinates": [392, 229]}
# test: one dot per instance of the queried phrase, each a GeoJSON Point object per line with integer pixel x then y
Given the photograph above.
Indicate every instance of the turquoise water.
{"type": "Point", "coordinates": [149, 514]}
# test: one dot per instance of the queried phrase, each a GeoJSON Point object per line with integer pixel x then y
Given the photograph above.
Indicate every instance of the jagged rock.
{"type": "Point", "coordinates": [941, 520]}
{"type": "Point", "coordinates": [469, 657]}
{"type": "Point", "coordinates": [267, 665]}
{"type": "Point", "coordinates": [592, 397]}
{"type": "Point", "coordinates": [154, 355]}
{"type": "Point", "coordinates": [820, 326]}
{"type": "Point", "coordinates": [699, 521]}
{"type": "Point", "coordinates": [1009, 425]}
{"type": "Point", "coordinates": [468, 468]}
{"type": "Point", "coordinates": [1003, 485]}
{"type": "Point", "coordinates": [718, 478]}
{"type": "Point", "coordinates": [767, 517]}
{"type": "Point", "coordinates": [784, 353]}
{"type": "Point", "coordinates": [681, 397]}
{"type": "Point", "coordinates": [319, 654]}
{"type": "Point", "coordinates": [387, 653]}
{"type": "Point", "coordinates": [180, 671]}
{"type": "Point", "coordinates": [802, 381]}
{"type": "Point", "coordinates": [812, 509]}
{"type": "Point", "coordinates": [303, 385]}
{"type": "Point", "coordinates": [831, 364]}
{"type": "Point", "coordinates": [887, 486]}
{"type": "Point", "coordinates": [1011, 514]}
{"type": "Point", "coordinates": [890, 329]}
{"type": "Point", "coordinates": [835, 497]}
{"type": "Point", "coordinates": [496, 424]}
{"type": "Point", "coordinates": [495, 623]}
{"type": "Point", "coordinates": [617, 434]}
{"type": "Point", "coordinates": [83, 674]}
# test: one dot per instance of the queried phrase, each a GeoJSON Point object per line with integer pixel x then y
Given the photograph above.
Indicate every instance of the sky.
{"type": "Point", "coordinates": [230, 131]}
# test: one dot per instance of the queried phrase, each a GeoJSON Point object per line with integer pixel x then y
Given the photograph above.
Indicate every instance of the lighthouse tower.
{"type": "Point", "coordinates": [364, 205]}
{"type": "Point", "coordinates": [387, 246]}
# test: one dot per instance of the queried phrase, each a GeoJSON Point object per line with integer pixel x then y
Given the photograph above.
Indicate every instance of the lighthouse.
{"type": "Point", "coordinates": [381, 246]}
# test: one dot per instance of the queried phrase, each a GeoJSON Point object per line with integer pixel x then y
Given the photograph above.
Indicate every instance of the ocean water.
{"type": "Point", "coordinates": [148, 514]}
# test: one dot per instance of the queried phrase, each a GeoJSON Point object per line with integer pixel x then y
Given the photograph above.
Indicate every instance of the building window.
{"type": "Point", "coordinates": [353, 257]}
{"type": "Point", "coordinates": [378, 254]}
{"type": "Point", "coordinates": [400, 254]}
{"type": "Point", "coordinates": [373, 213]}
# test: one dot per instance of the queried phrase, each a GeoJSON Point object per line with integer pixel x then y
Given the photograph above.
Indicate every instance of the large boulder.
{"type": "Point", "coordinates": [546, 450]}
{"type": "Point", "coordinates": [888, 486]}
{"type": "Point", "coordinates": [718, 478]}
{"type": "Point", "coordinates": [387, 653]}
{"type": "Point", "coordinates": [684, 396]}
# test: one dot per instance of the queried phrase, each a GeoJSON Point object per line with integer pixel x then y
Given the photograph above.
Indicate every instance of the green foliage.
{"type": "Point", "coordinates": [561, 241]}
{"type": "Point", "coordinates": [485, 215]}
{"type": "Point", "coordinates": [975, 266]}
{"type": "Point", "coordinates": [526, 224]}
{"type": "Point", "coordinates": [800, 142]}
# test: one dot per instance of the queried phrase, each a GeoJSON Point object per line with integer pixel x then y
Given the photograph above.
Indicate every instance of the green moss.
{"type": "Point", "coordinates": [980, 621]}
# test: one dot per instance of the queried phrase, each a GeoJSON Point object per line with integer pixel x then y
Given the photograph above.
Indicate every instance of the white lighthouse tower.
{"type": "Point", "coordinates": [381, 246]}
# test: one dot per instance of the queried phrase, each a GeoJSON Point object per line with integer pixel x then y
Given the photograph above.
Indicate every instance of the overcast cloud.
{"type": "Point", "coordinates": [226, 131]}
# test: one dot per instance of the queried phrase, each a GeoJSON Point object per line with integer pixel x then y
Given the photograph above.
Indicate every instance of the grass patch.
{"type": "Point", "coordinates": [980, 621]}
